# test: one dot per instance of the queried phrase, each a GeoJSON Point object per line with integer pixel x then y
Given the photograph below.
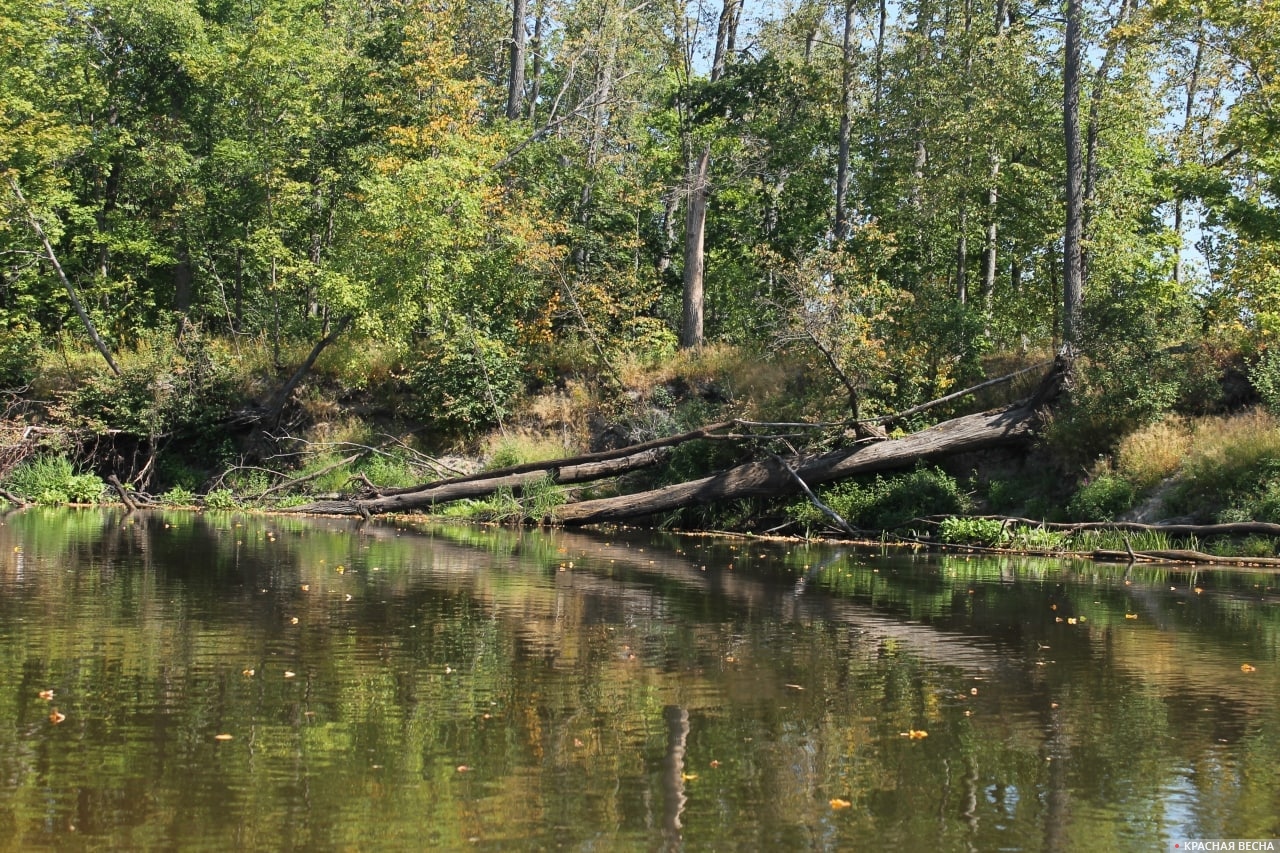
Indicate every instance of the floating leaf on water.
{"type": "Point", "coordinates": [46, 695]}
{"type": "Point", "coordinates": [795, 687]}
{"type": "Point", "coordinates": [293, 620]}
{"type": "Point", "coordinates": [1131, 616]}
{"type": "Point", "coordinates": [688, 777]}
{"type": "Point", "coordinates": [288, 673]}
{"type": "Point", "coordinates": [915, 734]}
{"type": "Point", "coordinates": [462, 768]}
{"type": "Point", "coordinates": [1245, 667]}
{"type": "Point", "coordinates": [714, 764]}
{"type": "Point", "coordinates": [56, 716]}
{"type": "Point", "coordinates": [249, 673]}
{"type": "Point", "coordinates": [306, 587]}
{"type": "Point", "coordinates": [837, 803]}
{"type": "Point", "coordinates": [223, 736]}
{"type": "Point", "coordinates": [1071, 620]}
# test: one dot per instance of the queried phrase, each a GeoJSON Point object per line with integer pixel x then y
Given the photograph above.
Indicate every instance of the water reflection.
{"type": "Point", "coordinates": [382, 687]}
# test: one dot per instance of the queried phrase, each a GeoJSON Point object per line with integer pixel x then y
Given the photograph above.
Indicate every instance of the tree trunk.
{"type": "Point", "coordinates": [841, 223]}
{"type": "Point", "coordinates": [281, 398]}
{"type": "Point", "coordinates": [515, 81]}
{"type": "Point", "coordinates": [693, 296]}
{"type": "Point", "coordinates": [1072, 260]}
{"type": "Point", "coordinates": [483, 487]}
{"type": "Point", "coordinates": [695, 228]}
{"type": "Point", "coordinates": [72, 293]}
{"type": "Point", "coordinates": [535, 91]}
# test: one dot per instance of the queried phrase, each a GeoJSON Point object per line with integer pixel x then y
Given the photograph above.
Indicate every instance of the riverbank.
{"type": "Point", "coordinates": [351, 441]}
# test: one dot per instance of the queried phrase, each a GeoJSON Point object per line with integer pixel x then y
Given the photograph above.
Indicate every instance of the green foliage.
{"type": "Point", "coordinates": [1037, 539]}
{"type": "Point", "coordinates": [49, 479]}
{"type": "Point", "coordinates": [19, 357]}
{"type": "Point", "coordinates": [1102, 498]}
{"type": "Point", "coordinates": [389, 470]}
{"type": "Point", "coordinates": [540, 498]}
{"type": "Point", "coordinates": [461, 381]}
{"type": "Point", "coordinates": [886, 503]}
{"type": "Point", "coordinates": [220, 499]}
{"type": "Point", "coordinates": [179, 496]}
{"type": "Point", "coordinates": [1264, 375]}
{"type": "Point", "coordinates": [1232, 470]}
{"type": "Point", "coordinates": [167, 389]}
{"type": "Point", "coordinates": [973, 531]}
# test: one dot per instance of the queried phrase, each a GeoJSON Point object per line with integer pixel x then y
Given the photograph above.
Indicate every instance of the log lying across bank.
{"type": "Point", "coordinates": [982, 431]}
{"type": "Point", "coordinates": [772, 477]}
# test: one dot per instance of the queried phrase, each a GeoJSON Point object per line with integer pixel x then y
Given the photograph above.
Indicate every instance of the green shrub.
{"type": "Point", "coordinates": [174, 388]}
{"type": "Point", "coordinates": [220, 499]}
{"type": "Point", "coordinates": [179, 496]}
{"type": "Point", "coordinates": [1038, 539]}
{"type": "Point", "coordinates": [393, 471]}
{"type": "Point", "coordinates": [1264, 375]}
{"type": "Point", "coordinates": [48, 479]}
{"type": "Point", "coordinates": [19, 357]}
{"type": "Point", "coordinates": [462, 381]}
{"type": "Point", "coordinates": [1102, 498]}
{"type": "Point", "coordinates": [885, 503]}
{"type": "Point", "coordinates": [973, 531]}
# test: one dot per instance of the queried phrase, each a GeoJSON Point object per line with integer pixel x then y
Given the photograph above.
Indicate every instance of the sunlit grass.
{"type": "Point", "coordinates": [1154, 452]}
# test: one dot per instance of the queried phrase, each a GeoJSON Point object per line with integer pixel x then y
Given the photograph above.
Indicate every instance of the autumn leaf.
{"type": "Point", "coordinates": [223, 736]}
{"type": "Point", "coordinates": [837, 803]}
{"type": "Point", "coordinates": [1245, 667]}
{"type": "Point", "coordinates": [915, 734]}
{"type": "Point", "coordinates": [56, 716]}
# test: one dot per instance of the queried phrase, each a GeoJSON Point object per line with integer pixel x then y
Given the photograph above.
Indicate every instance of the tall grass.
{"type": "Point", "coordinates": [1154, 452]}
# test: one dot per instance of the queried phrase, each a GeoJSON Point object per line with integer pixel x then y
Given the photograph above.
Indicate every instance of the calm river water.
{"type": "Point", "coordinates": [218, 682]}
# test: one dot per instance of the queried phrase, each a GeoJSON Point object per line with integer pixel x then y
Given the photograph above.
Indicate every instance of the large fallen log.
{"type": "Point", "coordinates": [778, 476]}
{"type": "Point", "coordinates": [455, 490]}
{"type": "Point", "coordinates": [1003, 428]}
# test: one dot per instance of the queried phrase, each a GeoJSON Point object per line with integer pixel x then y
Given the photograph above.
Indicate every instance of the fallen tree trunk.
{"type": "Point", "coordinates": [1183, 556]}
{"type": "Point", "coordinates": [553, 465]}
{"type": "Point", "coordinates": [1006, 427]}
{"type": "Point", "coordinates": [475, 488]}
{"type": "Point", "coordinates": [1235, 528]}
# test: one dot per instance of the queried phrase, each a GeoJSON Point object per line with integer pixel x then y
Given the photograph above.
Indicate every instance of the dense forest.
{"type": "Point", "coordinates": [454, 204]}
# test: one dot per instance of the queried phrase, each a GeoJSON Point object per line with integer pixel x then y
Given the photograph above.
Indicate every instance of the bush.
{"type": "Point", "coordinates": [220, 499]}
{"type": "Point", "coordinates": [19, 358]}
{"type": "Point", "coordinates": [178, 496]}
{"type": "Point", "coordinates": [1232, 469]}
{"type": "Point", "coordinates": [462, 382]}
{"type": "Point", "coordinates": [887, 503]}
{"type": "Point", "coordinates": [973, 531]}
{"type": "Point", "coordinates": [51, 479]}
{"type": "Point", "coordinates": [1264, 375]}
{"type": "Point", "coordinates": [1102, 498]}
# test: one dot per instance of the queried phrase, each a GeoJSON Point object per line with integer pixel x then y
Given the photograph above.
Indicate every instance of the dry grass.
{"type": "Point", "coordinates": [1234, 449]}
{"type": "Point", "coordinates": [517, 447]}
{"type": "Point", "coordinates": [1156, 451]}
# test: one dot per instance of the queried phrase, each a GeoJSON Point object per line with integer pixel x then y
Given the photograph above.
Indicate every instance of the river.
{"type": "Point", "coordinates": [226, 681]}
